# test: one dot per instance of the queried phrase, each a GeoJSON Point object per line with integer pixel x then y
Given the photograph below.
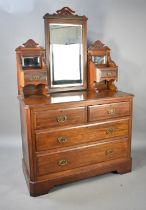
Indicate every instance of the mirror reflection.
{"type": "Point", "coordinates": [99, 59]}
{"type": "Point", "coordinates": [30, 62]}
{"type": "Point", "coordinates": [66, 55]}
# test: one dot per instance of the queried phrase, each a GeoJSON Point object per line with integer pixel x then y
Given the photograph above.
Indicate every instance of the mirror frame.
{"type": "Point", "coordinates": [66, 16]}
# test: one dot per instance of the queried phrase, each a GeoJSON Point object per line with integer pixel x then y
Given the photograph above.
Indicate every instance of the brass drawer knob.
{"type": "Point", "coordinates": [110, 131]}
{"type": "Point", "coordinates": [109, 74]}
{"type": "Point", "coordinates": [61, 139]}
{"type": "Point", "coordinates": [36, 77]}
{"type": "Point", "coordinates": [111, 111]}
{"type": "Point", "coordinates": [109, 152]}
{"type": "Point", "coordinates": [62, 162]}
{"type": "Point", "coordinates": [61, 118]}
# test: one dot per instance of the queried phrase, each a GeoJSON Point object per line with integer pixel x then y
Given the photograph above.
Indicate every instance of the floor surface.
{"type": "Point", "coordinates": [104, 192]}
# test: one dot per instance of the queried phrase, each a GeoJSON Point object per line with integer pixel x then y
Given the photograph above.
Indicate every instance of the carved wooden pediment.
{"type": "Point", "coordinates": [65, 12]}
{"type": "Point", "coordinates": [29, 44]}
{"type": "Point", "coordinates": [98, 45]}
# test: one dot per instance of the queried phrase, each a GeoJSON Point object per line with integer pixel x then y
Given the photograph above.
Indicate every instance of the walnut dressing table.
{"type": "Point", "coordinates": [70, 135]}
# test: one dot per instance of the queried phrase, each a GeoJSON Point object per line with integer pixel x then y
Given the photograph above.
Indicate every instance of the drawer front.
{"type": "Point", "coordinates": [108, 74]}
{"type": "Point", "coordinates": [107, 111]}
{"type": "Point", "coordinates": [46, 140]}
{"type": "Point", "coordinates": [37, 76]}
{"type": "Point", "coordinates": [60, 161]}
{"type": "Point", "coordinates": [63, 117]}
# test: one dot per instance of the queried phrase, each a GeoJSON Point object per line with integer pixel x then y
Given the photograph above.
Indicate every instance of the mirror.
{"type": "Point", "coordinates": [66, 55]}
{"type": "Point", "coordinates": [30, 62]}
{"type": "Point", "coordinates": [99, 60]}
{"type": "Point", "coordinates": [66, 50]}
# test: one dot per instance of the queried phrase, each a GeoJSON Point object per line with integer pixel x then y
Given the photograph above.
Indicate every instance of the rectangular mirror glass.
{"type": "Point", "coordinates": [99, 59]}
{"type": "Point", "coordinates": [30, 62]}
{"type": "Point", "coordinates": [66, 55]}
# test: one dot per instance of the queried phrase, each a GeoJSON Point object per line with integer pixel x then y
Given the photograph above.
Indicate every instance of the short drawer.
{"type": "Point", "coordinates": [107, 111]}
{"type": "Point", "coordinates": [50, 139]}
{"type": "Point", "coordinates": [35, 76]}
{"type": "Point", "coordinates": [62, 117]}
{"type": "Point", "coordinates": [106, 73]}
{"type": "Point", "coordinates": [78, 157]}
{"type": "Point", "coordinates": [109, 74]}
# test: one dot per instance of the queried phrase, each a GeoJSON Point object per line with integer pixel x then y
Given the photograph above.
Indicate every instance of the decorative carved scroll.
{"type": "Point", "coordinates": [30, 44]}
{"type": "Point", "coordinates": [65, 11]}
{"type": "Point", "coordinates": [98, 45]}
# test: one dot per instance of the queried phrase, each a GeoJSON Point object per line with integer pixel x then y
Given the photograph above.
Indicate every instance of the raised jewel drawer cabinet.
{"type": "Point", "coordinates": [75, 135]}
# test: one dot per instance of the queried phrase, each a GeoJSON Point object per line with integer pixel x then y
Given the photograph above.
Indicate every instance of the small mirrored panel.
{"type": "Point", "coordinates": [66, 55]}
{"type": "Point", "coordinates": [99, 59]}
{"type": "Point", "coordinates": [30, 62]}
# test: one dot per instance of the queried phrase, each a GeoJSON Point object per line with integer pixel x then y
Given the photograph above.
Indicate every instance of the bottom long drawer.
{"type": "Point", "coordinates": [81, 156]}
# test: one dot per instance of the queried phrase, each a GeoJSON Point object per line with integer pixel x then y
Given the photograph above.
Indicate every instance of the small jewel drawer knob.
{"type": "Point", "coordinates": [110, 131]}
{"type": "Point", "coordinates": [109, 74]}
{"type": "Point", "coordinates": [61, 118]}
{"type": "Point", "coordinates": [61, 139]}
{"type": "Point", "coordinates": [62, 162]}
{"type": "Point", "coordinates": [36, 77]}
{"type": "Point", "coordinates": [111, 111]}
{"type": "Point", "coordinates": [109, 152]}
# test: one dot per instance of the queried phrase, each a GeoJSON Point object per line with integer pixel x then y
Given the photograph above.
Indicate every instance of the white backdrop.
{"type": "Point", "coordinates": [119, 24]}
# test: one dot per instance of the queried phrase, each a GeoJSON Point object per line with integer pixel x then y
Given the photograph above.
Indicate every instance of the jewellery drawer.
{"type": "Point", "coordinates": [61, 117]}
{"type": "Point", "coordinates": [109, 73]}
{"type": "Point", "coordinates": [51, 138]}
{"type": "Point", "coordinates": [81, 156]}
{"type": "Point", "coordinates": [107, 111]}
{"type": "Point", "coordinates": [102, 74]}
{"type": "Point", "coordinates": [35, 76]}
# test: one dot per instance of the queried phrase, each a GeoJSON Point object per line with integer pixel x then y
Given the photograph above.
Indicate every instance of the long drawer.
{"type": "Point", "coordinates": [82, 134]}
{"type": "Point", "coordinates": [61, 117]}
{"type": "Point", "coordinates": [108, 111]}
{"type": "Point", "coordinates": [81, 156]}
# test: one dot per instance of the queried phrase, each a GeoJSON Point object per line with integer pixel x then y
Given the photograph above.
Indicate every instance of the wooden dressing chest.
{"type": "Point", "coordinates": [74, 122]}
{"type": "Point", "coordinates": [74, 135]}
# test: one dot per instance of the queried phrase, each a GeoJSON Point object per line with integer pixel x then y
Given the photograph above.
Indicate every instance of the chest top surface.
{"type": "Point", "coordinates": [74, 98]}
